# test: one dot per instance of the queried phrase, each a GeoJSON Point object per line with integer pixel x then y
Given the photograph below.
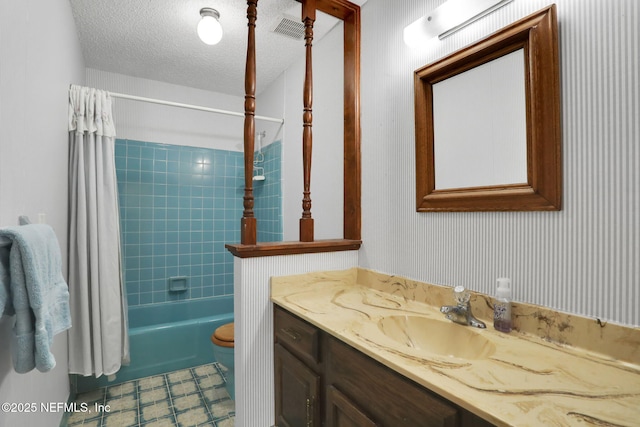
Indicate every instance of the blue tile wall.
{"type": "Point", "coordinates": [178, 207]}
{"type": "Point", "coordinates": [268, 195]}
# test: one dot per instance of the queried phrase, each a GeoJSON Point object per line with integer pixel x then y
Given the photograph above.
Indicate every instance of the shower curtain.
{"type": "Point", "coordinates": [98, 340]}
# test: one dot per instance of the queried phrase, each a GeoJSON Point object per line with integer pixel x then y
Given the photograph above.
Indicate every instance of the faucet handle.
{"type": "Point", "coordinates": [461, 295]}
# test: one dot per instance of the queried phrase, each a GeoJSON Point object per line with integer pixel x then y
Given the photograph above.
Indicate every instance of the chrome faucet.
{"type": "Point", "coordinates": [461, 312]}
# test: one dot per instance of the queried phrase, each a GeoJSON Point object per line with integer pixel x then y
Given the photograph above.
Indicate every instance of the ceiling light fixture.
{"type": "Point", "coordinates": [209, 27]}
{"type": "Point", "coordinates": [448, 18]}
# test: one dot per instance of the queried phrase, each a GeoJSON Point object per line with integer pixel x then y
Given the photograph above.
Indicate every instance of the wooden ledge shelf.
{"type": "Point", "coordinates": [291, 248]}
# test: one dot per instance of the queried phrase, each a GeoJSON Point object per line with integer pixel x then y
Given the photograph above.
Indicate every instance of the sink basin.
{"type": "Point", "coordinates": [437, 337]}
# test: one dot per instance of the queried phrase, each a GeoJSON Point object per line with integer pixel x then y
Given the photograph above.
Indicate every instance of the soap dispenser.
{"type": "Point", "coordinates": [502, 306]}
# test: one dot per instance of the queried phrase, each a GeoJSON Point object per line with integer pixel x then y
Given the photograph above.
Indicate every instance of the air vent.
{"type": "Point", "coordinates": [289, 26]}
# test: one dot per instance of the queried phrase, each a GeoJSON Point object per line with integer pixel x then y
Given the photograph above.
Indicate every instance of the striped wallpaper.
{"type": "Point", "coordinates": [584, 259]}
{"type": "Point", "coordinates": [254, 327]}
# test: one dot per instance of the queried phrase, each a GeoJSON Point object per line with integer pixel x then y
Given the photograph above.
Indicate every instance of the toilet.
{"type": "Point", "coordinates": [223, 346]}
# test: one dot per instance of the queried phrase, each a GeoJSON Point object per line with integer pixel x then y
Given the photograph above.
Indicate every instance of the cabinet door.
{"type": "Point", "coordinates": [297, 388]}
{"type": "Point", "coordinates": [341, 412]}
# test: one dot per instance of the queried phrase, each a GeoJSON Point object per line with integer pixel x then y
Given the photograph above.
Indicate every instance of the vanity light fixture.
{"type": "Point", "coordinates": [448, 18]}
{"type": "Point", "coordinates": [209, 27]}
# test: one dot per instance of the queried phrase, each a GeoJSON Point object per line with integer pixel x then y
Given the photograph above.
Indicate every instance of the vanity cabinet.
{"type": "Point", "coordinates": [298, 391]}
{"type": "Point", "coordinates": [297, 371]}
{"type": "Point", "coordinates": [342, 412]}
{"type": "Point", "coordinates": [387, 397]}
{"type": "Point", "coordinates": [321, 381]}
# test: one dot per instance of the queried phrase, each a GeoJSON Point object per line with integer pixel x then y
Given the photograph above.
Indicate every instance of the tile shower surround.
{"type": "Point", "coordinates": [268, 195]}
{"type": "Point", "coordinates": [179, 205]}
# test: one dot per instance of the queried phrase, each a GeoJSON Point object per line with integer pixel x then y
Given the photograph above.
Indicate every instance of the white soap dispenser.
{"type": "Point", "coordinates": [502, 306]}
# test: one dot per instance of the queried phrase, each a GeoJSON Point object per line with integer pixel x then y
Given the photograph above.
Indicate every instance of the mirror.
{"type": "Point", "coordinates": [488, 134]}
{"type": "Point", "coordinates": [491, 148]}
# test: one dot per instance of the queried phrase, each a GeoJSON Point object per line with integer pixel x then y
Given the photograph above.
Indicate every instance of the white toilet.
{"type": "Point", "coordinates": [223, 349]}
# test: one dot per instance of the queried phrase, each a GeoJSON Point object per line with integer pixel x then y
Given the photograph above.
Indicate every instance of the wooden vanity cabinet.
{"type": "Point", "coordinates": [389, 398]}
{"type": "Point", "coordinates": [298, 391]}
{"type": "Point", "coordinates": [297, 371]}
{"type": "Point", "coordinates": [321, 381]}
{"type": "Point", "coordinates": [342, 412]}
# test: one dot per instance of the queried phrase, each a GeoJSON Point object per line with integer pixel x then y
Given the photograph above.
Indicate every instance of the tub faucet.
{"type": "Point", "coordinates": [461, 312]}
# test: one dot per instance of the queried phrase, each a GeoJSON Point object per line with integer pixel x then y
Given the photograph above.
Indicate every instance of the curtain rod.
{"type": "Point", "coordinates": [191, 107]}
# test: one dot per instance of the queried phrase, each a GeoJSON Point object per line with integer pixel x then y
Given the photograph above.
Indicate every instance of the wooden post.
{"type": "Point", "coordinates": [248, 227]}
{"type": "Point", "coordinates": [352, 172]}
{"type": "Point", "coordinates": [306, 222]}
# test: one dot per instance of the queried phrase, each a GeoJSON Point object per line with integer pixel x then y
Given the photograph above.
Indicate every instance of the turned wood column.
{"type": "Point", "coordinates": [306, 222]}
{"type": "Point", "coordinates": [248, 228]}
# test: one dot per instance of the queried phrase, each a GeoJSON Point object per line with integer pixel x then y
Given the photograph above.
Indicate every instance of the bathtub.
{"type": "Point", "coordinates": [167, 337]}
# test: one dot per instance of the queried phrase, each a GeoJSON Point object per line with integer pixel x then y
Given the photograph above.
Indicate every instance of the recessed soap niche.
{"type": "Point", "coordinates": [178, 283]}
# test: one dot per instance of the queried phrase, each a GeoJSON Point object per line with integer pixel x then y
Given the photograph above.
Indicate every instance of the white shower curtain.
{"type": "Point", "coordinates": [98, 340]}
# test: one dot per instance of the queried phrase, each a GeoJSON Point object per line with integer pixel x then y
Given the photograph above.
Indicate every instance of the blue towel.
{"type": "Point", "coordinates": [39, 295]}
{"type": "Point", "coordinates": [6, 307]}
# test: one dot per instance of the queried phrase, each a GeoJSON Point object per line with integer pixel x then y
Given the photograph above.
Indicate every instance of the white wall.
{"type": "Point", "coordinates": [328, 141]}
{"type": "Point", "coordinates": [584, 259]}
{"type": "Point", "coordinates": [270, 103]}
{"type": "Point", "coordinates": [40, 57]}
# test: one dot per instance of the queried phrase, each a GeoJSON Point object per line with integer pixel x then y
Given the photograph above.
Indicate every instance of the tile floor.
{"type": "Point", "coordinates": [193, 397]}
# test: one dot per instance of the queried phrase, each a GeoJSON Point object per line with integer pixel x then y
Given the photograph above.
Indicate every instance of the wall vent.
{"type": "Point", "coordinates": [289, 26]}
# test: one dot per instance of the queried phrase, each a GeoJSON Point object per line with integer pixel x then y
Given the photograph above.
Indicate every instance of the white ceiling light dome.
{"type": "Point", "coordinates": [209, 27]}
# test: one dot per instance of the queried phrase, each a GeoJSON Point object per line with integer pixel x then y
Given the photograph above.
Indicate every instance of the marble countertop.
{"type": "Point", "coordinates": [520, 379]}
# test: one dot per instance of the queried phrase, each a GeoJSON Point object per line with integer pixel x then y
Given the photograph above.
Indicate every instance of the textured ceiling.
{"type": "Point", "coordinates": [156, 39]}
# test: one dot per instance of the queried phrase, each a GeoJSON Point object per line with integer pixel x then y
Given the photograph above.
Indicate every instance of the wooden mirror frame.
{"type": "Point", "coordinates": [537, 34]}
